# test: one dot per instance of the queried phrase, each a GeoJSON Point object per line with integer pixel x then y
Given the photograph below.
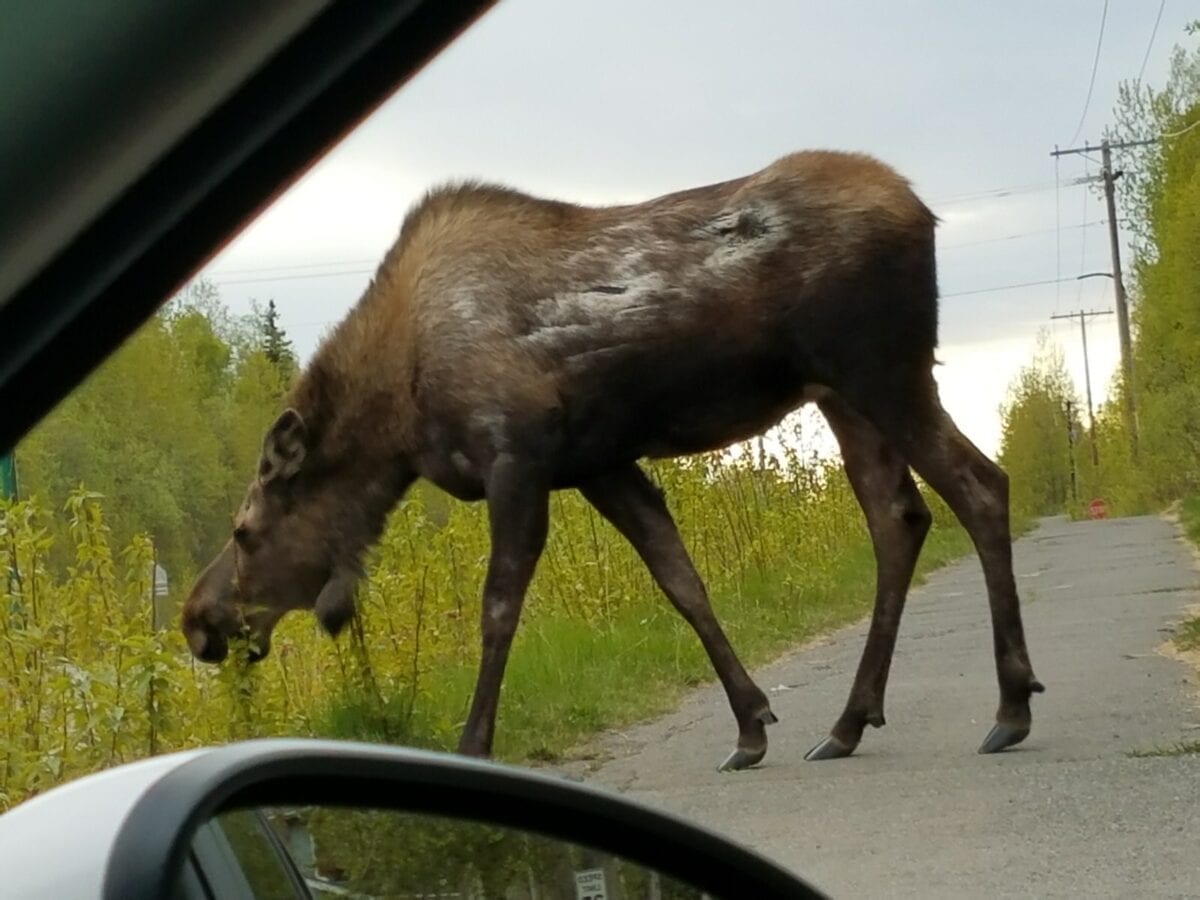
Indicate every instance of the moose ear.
{"type": "Point", "coordinates": [284, 447]}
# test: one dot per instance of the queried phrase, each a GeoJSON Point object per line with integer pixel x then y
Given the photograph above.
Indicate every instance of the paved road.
{"type": "Point", "coordinates": [916, 812]}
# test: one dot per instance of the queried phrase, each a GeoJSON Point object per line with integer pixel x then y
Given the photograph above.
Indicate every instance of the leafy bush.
{"type": "Point", "coordinates": [89, 682]}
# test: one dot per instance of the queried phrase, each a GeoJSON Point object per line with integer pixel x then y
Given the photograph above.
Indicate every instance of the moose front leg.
{"type": "Point", "coordinates": [628, 500]}
{"type": "Point", "coordinates": [518, 512]}
{"type": "Point", "coordinates": [898, 520]}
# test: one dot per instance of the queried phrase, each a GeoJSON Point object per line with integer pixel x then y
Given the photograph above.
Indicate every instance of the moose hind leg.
{"type": "Point", "coordinates": [976, 489]}
{"type": "Point", "coordinates": [898, 520]}
{"type": "Point", "coordinates": [518, 512]}
{"type": "Point", "coordinates": [636, 508]}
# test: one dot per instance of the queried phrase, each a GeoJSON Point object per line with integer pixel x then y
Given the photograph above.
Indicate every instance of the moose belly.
{"type": "Point", "coordinates": [623, 413]}
{"type": "Point", "coordinates": [674, 405]}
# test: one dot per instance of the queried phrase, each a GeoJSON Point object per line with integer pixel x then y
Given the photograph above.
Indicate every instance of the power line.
{"type": "Point", "coordinates": [1005, 192]}
{"type": "Point", "coordinates": [1092, 81]}
{"type": "Point", "coordinates": [296, 277]}
{"type": "Point", "coordinates": [1021, 234]}
{"type": "Point", "coordinates": [288, 267]}
{"type": "Point", "coordinates": [1181, 131]}
{"type": "Point", "coordinates": [1161, 6]}
{"type": "Point", "coordinates": [1006, 287]}
{"type": "Point", "coordinates": [1118, 145]}
{"type": "Point", "coordinates": [993, 193]}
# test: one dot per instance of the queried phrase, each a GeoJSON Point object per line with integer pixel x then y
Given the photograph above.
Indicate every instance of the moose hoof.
{"type": "Point", "coordinates": [830, 748]}
{"type": "Point", "coordinates": [1003, 736]}
{"type": "Point", "coordinates": [742, 759]}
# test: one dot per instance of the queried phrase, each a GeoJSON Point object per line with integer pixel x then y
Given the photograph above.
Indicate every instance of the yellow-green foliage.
{"type": "Point", "coordinates": [168, 428]}
{"type": "Point", "coordinates": [1041, 430]}
{"type": "Point", "coordinates": [1160, 193]}
{"type": "Point", "coordinates": [87, 682]}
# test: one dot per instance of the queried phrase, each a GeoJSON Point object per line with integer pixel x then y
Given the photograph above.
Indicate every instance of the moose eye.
{"type": "Point", "coordinates": [241, 534]}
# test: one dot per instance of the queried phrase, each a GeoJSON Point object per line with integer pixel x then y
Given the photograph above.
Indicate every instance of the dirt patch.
{"type": "Point", "coordinates": [1171, 649]}
{"type": "Point", "coordinates": [1190, 658]}
{"type": "Point", "coordinates": [1171, 515]}
{"type": "Point", "coordinates": [1168, 648]}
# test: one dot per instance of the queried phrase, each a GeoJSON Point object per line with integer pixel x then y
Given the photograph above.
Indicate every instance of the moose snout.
{"type": "Point", "coordinates": [212, 646]}
{"type": "Point", "coordinates": [208, 646]}
{"type": "Point", "coordinates": [208, 620]}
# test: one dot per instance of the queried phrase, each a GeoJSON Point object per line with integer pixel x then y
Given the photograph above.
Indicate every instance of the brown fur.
{"type": "Point", "coordinates": [508, 346]}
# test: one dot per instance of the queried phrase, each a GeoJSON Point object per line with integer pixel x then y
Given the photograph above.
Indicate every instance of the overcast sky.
{"type": "Point", "coordinates": [623, 100]}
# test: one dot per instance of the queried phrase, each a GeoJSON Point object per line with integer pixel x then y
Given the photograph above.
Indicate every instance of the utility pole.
{"type": "Point", "coordinates": [1083, 316]}
{"type": "Point", "coordinates": [1114, 241]}
{"type": "Point", "coordinates": [1071, 451]}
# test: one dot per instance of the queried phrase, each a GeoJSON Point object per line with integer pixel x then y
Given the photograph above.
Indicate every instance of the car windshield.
{"type": "Point", "coordinates": [668, 396]}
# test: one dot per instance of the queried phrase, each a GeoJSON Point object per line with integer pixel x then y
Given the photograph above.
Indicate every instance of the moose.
{"type": "Point", "coordinates": [509, 346]}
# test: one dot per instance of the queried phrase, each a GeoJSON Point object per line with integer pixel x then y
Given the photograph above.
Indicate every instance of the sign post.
{"type": "Point", "coordinates": [8, 477]}
{"type": "Point", "coordinates": [590, 885]}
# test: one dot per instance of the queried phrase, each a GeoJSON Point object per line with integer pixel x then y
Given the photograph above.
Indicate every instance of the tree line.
{"type": "Point", "coordinates": [1055, 461]}
{"type": "Point", "coordinates": [168, 428]}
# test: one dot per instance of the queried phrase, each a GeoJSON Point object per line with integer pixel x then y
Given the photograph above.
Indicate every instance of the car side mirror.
{"type": "Point", "coordinates": [329, 818]}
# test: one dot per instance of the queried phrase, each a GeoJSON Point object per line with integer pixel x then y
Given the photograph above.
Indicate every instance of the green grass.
{"type": "Point", "coordinates": [568, 680]}
{"type": "Point", "coordinates": [1187, 636]}
{"type": "Point", "coordinates": [1189, 517]}
{"type": "Point", "coordinates": [1183, 748]}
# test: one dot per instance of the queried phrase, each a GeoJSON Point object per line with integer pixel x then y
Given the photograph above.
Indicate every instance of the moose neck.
{"type": "Point", "coordinates": [355, 397]}
{"type": "Point", "coordinates": [357, 392]}
{"type": "Point", "coordinates": [366, 498]}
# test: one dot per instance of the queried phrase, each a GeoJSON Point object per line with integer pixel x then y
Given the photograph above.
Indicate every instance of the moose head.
{"type": "Point", "coordinates": [289, 550]}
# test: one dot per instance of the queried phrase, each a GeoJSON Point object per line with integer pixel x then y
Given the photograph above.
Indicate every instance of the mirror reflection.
{"type": "Point", "coordinates": [321, 852]}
